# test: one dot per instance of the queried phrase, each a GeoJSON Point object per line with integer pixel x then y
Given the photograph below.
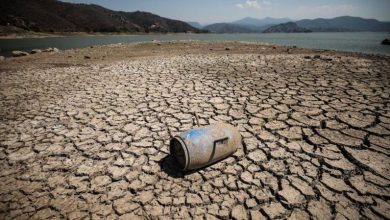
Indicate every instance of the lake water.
{"type": "Point", "coordinates": [364, 42]}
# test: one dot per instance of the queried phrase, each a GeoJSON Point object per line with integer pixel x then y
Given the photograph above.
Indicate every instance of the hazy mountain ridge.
{"type": "Point", "coordinates": [344, 23]}
{"type": "Point", "coordinates": [338, 24]}
{"type": "Point", "coordinates": [195, 24]}
{"type": "Point", "coordinates": [289, 27]}
{"type": "Point", "coordinates": [57, 16]}
{"type": "Point", "coordinates": [249, 21]}
{"type": "Point", "coordinates": [245, 25]}
{"type": "Point", "coordinates": [233, 28]}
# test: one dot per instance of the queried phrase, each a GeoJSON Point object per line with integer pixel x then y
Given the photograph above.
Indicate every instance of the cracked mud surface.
{"type": "Point", "coordinates": [90, 141]}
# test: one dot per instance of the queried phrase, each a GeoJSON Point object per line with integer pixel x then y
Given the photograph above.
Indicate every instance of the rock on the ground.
{"type": "Point", "coordinates": [34, 51]}
{"type": "Point", "coordinates": [51, 49]}
{"type": "Point", "coordinates": [17, 53]}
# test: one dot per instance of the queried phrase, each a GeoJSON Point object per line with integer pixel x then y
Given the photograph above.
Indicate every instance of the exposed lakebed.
{"type": "Point", "coordinates": [90, 137]}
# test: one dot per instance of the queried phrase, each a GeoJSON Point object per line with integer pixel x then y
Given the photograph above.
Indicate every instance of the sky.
{"type": "Point", "coordinates": [211, 11]}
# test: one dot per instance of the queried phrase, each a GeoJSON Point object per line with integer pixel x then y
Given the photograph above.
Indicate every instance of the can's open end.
{"type": "Point", "coordinates": [178, 152]}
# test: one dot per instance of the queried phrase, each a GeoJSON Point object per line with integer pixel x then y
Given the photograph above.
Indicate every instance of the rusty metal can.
{"type": "Point", "coordinates": [203, 146]}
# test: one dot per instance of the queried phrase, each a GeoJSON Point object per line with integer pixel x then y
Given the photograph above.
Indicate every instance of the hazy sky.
{"type": "Point", "coordinates": [209, 11]}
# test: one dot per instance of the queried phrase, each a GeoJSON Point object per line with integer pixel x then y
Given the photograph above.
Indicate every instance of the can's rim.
{"type": "Point", "coordinates": [177, 149]}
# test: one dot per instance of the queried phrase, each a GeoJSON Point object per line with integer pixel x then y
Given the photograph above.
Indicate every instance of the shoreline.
{"type": "Point", "coordinates": [86, 40]}
{"type": "Point", "coordinates": [81, 34]}
{"type": "Point", "coordinates": [283, 48]}
{"type": "Point", "coordinates": [91, 34]}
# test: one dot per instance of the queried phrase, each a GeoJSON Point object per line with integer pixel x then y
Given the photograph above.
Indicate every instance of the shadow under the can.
{"type": "Point", "coordinates": [170, 166]}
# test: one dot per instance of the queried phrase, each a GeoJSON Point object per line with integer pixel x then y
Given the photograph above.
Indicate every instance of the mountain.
{"type": "Point", "coordinates": [289, 27]}
{"type": "Point", "coordinates": [57, 16]}
{"type": "Point", "coordinates": [195, 24]}
{"type": "Point", "coordinates": [344, 23]}
{"type": "Point", "coordinates": [261, 22]}
{"type": "Point", "coordinates": [245, 25]}
{"type": "Point", "coordinates": [338, 24]}
{"type": "Point", "coordinates": [230, 28]}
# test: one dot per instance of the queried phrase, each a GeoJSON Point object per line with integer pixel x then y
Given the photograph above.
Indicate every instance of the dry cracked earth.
{"type": "Point", "coordinates": [91, 141]}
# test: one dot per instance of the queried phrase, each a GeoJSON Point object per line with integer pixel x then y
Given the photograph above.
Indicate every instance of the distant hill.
{"type": "Point", "coordinates": [344, 23]}
{"type": "Point", "coordinates": [195, 24]}
{"type": "Point", "coordinates": [249, 21]}
{"type": "Point", "coordinates": [57, 16]}
{"type": "Point", "coordinates": [245, 25]}
{"type": "Point", "coordinates": [338, 24]}
{"type": "Point", "coordinates": [289, 27]}
{"type": "Point", "coordinates": [230, 28]}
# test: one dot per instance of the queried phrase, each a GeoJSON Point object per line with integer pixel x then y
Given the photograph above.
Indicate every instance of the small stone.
{"type": "Point", "coordinates": [49, 49]}
{"type": "Point", "coordinates": [17, 53]}
{"type": "Point", "coordinates": [34, 51]}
